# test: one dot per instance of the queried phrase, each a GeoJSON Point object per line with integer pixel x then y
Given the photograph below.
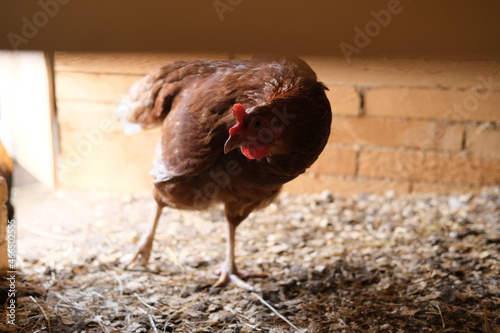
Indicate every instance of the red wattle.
{"type": "Point", "coordinates": [255, 152]}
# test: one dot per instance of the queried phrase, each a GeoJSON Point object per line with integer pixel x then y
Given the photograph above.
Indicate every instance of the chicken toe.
{"type": "Point", "coordinates": [143, 252]}
{"type": "Point", "coordinates": [225, 278]}
{"type": "Point", "coordinates": [146, 244]}
{"type": "Point", "coordinates": [237, 279]}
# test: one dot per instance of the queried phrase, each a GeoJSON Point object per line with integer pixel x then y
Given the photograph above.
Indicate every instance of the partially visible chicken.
{"type": "Point", "coordinates": [233, 132]}
{"type": "Point", "coordinates": [6, 167]}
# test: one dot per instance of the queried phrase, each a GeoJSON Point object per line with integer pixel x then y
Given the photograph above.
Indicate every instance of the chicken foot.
{"type": "Point", "coordinates": [229, 272]}
{"type": "Point", "coordinates": [146, 243]}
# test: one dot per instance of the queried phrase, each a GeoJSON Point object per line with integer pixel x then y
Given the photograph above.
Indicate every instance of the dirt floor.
{"type": "Point", "coordinates": [365, 264]}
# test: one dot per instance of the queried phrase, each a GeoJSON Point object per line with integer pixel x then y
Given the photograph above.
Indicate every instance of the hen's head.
{"type": "Point", "coordinates": [255, 132]}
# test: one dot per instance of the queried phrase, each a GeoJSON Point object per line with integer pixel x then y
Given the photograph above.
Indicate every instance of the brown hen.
{"type": "Point", "coordinates": [233, 132]}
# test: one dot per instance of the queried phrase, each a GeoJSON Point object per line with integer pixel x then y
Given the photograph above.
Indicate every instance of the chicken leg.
{"type": "Point", "coordinates": [229, 271]}
{"type": "Point", "coordinates": [146, 244]}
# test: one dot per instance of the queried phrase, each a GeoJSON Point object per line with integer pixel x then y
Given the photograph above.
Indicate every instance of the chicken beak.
{"type": "Point", "coordinates": [233, 142]}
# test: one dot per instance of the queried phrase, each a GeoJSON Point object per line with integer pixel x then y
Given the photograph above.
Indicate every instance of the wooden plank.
{"type": "Point", "coordinates": [26, 103]}
{"type": "Point", "coordinates": [123, 63]}
{"type": "Point", "coordinates": [462, 29]}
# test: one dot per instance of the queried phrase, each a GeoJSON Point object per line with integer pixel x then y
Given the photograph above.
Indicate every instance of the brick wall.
{"type": "Point", "coordinates": [409, 126]}
{"type": "Point", "coordinates": [403, 125]}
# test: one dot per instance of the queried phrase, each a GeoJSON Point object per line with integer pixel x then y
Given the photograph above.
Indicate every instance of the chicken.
{"type": "Point", "coordinates": [6, 167]}
{"type": "Point", "coordinates": [232, 132]}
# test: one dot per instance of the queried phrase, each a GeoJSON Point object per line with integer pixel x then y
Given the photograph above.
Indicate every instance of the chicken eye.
{"type": "Point", "coordinates": [257, 123]}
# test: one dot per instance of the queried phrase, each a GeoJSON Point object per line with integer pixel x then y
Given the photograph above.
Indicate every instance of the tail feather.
{"type": "Point", "coordinates": [150, 99]}
{"type": "Point", "coordinates": [147, 103]}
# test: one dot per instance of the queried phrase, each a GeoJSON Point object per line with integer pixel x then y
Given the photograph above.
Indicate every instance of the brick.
{"type": "Point", "coordinates": [490, 174]}
{"type": "Point", "coordinates": [336, 160]}
{"type": "Point", "coordinates": [483, 139]}
{"type": "Point", "coordinates": [122, 63]}
{"type": "Point", "coordinates": [397, 133]}
{"type": "Point", "coordinates": [433, 104]}
{"type": "Point", "coordinates": [344, 186]}
{"type": "Point", "coordinates": [430, 166]}
{"type": "Point", "coordinates": [88, 87]}
{"type": "Point", "coordinates": [417, 73]}
{"type": "Point", "coordinates": [344, 100]}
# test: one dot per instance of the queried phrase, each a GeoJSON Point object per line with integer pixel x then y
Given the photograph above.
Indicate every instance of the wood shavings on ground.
{"type": "Point", "coordinates": [365, 264]}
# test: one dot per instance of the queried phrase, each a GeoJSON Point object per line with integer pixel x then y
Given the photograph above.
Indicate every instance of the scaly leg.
{"type": "Point", "coordinates": [146, 244]}
{"type": "Point", "coordinates": [229, 271]}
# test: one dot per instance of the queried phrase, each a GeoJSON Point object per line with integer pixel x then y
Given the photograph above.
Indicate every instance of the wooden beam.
{"type": "Point", "coordinates": [392, 28]}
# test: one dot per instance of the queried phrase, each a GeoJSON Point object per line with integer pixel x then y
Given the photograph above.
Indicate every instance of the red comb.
{"type": "Point", "coordinates": [240, 114]}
